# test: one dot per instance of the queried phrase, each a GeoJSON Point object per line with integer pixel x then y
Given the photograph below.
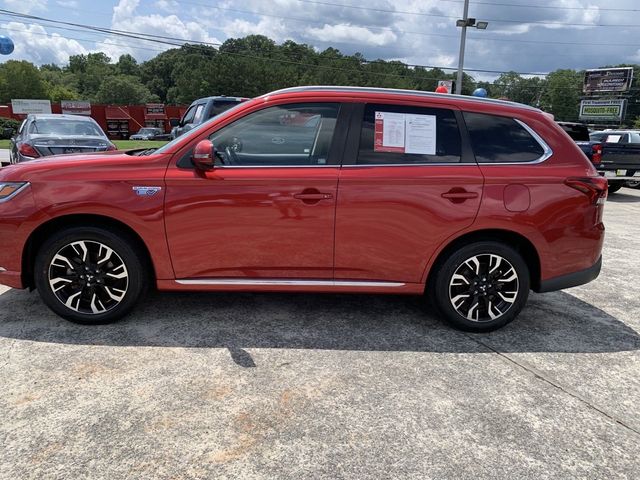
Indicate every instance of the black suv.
{"type": "Point", "coordinates": [202, 110]}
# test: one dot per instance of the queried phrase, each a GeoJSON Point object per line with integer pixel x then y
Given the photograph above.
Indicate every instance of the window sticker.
{"type": "Point", "coordinates": [613, 138]}
{"type": "Point", "coordinates": [420, 134]}
{"type": "Point", "coordinates": [405, 133]}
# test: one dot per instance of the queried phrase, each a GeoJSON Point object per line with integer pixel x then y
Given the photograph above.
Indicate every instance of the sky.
{"type": "Point", "coordinates": [523, 35]}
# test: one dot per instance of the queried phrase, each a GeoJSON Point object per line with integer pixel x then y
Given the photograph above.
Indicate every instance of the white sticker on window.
{"type": "Point", "coordinates": [420, 134]}
{"type": "Point", "coordinates": [405, 133]}
{"type": "Point", "coordinates": [613, 138]}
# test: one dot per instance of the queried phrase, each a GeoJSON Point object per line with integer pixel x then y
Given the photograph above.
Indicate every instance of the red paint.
{"type": "Point", "coordinates": [376, 223]}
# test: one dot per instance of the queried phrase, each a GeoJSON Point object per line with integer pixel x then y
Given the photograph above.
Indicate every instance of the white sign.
{"type": "Point", "coordinates": [405, 133]}
{"type": "Point", "coordinates": [608, 110]}
{"type": "Point", "coordinates": [75, 107]}
{"type": "Point", "coordinates": [26, 106]}
{"type": "Point", "coordinates": [421, 134]}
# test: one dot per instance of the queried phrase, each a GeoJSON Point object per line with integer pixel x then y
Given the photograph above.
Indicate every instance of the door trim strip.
{"type": "Point", "coordinates": [271, 282]}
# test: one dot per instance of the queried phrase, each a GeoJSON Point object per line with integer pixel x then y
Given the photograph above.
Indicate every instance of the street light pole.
{"type": "Point", "coordinates": [463, 38]}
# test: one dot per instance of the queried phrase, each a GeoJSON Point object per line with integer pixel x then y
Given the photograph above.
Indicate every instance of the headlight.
{"type": "Point", "coordinates": [9, 190]}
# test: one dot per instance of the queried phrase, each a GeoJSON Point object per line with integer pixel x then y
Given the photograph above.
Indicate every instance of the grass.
{"type": "Point", "coordinates": [121, 144]}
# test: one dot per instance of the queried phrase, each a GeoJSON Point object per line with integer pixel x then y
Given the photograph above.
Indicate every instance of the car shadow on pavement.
{"type": "Point", "coordinates": [622, 197]}
{"type": "Point", "coordinates": [554, 322]}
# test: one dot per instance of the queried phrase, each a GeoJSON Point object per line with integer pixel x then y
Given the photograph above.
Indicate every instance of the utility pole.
{"type": "Point", "coordinates": [464, 23]}
{"type": "Point", "coordinates": [463, 39]}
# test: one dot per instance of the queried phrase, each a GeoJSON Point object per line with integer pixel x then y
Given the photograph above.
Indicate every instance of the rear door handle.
{"type": "Point", "coordinates": [312, 195]}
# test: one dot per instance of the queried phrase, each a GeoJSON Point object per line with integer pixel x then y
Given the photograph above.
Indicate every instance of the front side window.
{"type": "Point", "coordinates": [284, 135]}
{"type": "Point", "coordinates": [498, 139]}
{"type": "Point", "coordinates": [397, 134]}
{"type": "Point", "coordinates": [197, 118]}
{"type": "Point", "coordinates": [188, 116]}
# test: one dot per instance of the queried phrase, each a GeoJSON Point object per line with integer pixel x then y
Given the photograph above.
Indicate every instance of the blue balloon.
{"type": "Point", "coordinates": [6, 45]}
{"type": "Point", "coordinates": [480, 92]}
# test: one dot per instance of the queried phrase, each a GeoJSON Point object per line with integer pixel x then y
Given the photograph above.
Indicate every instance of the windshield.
{"type": "Point", "coordinates": [222, 106]}
{"type": "Point", "coordinates": [196, 131]}
{"type": "Point", "coordinates": [64, 127]}
{"type": "Point", "coordinates": [146, 130]}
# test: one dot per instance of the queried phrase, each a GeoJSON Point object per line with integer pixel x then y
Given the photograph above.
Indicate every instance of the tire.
{"type": "Point", "coordinates": [116, 278]}
{"type": "Point", "coordinates": [614, 187]}
{"type": "Point", "coordinates": [496, 301]}
{"type": "Point", "coordinates": [633, 184]}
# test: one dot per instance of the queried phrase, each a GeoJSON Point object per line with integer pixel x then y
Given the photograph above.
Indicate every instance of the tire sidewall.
{"type": "Point", "coordinates": [117, 241]}
{"type": "Point", "coordinates": [451, 264]}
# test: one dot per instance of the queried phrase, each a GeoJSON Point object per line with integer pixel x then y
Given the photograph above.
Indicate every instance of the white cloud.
{"type": "Point", "coordinates": [170, 6]}
{"type": "Point", "coordinates": [126, 17]}
{"type": "Point", "coordinates": [67, 3]}
{"type": "Point", "coordinates": [26, 6]}
{"type": "Point", "coordinates": [34, 43]}
{"type": "Point", "coordinates": [347, 33]}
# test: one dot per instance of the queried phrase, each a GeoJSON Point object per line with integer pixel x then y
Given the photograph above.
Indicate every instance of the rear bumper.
{"type": "Point", "coordinates": [571, 279]}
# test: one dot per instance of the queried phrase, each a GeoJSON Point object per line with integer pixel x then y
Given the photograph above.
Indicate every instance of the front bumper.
{"type": "Point", "coordinates": [571, 279]}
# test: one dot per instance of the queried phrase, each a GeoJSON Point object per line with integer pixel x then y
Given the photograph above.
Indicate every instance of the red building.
{"type": "Point", "coordinates": [118, 121]}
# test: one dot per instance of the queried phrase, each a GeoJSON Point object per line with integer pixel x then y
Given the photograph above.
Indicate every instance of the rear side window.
{"type": "Point", "coordinates": [498, 139]}
{"type": "Point", "coordinates": [399, 135]}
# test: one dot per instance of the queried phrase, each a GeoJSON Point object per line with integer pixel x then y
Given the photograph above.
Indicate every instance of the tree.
{"type": "Point", "coordinates": [20, 79]}
{"type": "Point", "coordinates": [561, 96]}
{"type": "Point", "coordinates": [123, 90]}
{"type": "Point", "coordinates": [127, 65]}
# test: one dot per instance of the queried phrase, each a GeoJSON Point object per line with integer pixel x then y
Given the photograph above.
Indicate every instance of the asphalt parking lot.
{"type": "Point", "coordinates": [338, 386]}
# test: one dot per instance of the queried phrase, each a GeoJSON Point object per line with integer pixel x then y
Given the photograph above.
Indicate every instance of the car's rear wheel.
{"type": "Point", "coordinates": [481, 287]}
{"type": "Point", "coordinates": [90, 275]}
{"type": "Point", "coordinates": [632, 184]}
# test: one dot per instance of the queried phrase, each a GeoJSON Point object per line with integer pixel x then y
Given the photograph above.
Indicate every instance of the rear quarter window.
{"type": "Point", "coordinates": [497, 139]}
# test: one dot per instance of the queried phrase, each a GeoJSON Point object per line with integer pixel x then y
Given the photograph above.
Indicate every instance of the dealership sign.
{"type": "Point", "coordinates": [25, 107]}
{"type": "Point", "coordinates": [607, 110]}
{"type": "Point", "coordinates": [608, 80]}
{"type": "Point", "coordinates": [75, 107]}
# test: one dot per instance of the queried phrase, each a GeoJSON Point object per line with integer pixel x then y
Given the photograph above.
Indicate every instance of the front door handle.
{"type": "Point", "coordinates": [311, 195]}
{"type": "Point", "coordinates": [459, 195]}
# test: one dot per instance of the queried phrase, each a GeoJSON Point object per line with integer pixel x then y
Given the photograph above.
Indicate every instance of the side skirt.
{"type": "Point", "coordinates": [288, 285]}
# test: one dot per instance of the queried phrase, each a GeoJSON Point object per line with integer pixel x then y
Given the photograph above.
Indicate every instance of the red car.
{"type": "Point", "coordinates": [472, 202]}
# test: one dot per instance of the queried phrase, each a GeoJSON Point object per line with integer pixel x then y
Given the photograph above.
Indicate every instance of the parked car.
{"type": "Point", "coordinates": [202, 110]}
{"type": "Point", "coordinates": [471, 202]}
{"type": "Point", "coordinates": [150, 133]}
{"type": "Point", "coordinates": [616, 156]}
{"type": "Point", "coordinates": [43, 135]}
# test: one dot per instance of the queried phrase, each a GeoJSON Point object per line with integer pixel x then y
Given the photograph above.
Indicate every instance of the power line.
{"type": "Point", "coordinates": [553, 7]}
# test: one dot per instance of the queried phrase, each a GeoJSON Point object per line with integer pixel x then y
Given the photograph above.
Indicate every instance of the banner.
{"type": "Point", "coordinates": [606, 110]}
{"type": "Point", "coordinates": [27, 106]}
{"type": "Point", "coordinates": [608, 80]}
{"type": "Point", "coordinates": [76, 107]}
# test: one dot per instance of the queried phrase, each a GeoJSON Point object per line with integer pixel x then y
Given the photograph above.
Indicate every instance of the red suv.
{"type": "Point", "coordinates": [472, 202]}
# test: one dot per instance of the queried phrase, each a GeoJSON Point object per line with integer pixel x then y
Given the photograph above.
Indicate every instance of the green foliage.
{"type": "Point", "coordinates": [124, 90]}
{"type": "Point", "coordinates": [636, 124]}
{"type": "Point", "coordinates": [20, 79]}
{"type": "Point", "coordinates": [7, 127]}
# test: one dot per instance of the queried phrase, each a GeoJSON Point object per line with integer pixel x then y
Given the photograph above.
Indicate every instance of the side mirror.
{"type": "Point", "coordinates": [203, 155]}
{"type": "Point", "coordinates": [174, 122]}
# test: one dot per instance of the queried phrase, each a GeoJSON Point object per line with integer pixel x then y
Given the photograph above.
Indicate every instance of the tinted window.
{"type": "Point", "coordinates": [635, 138]}
{"type": "Point", "coordinates": [64, 127]}
{"type": "Point", "coordinates": [579, 133]}
{"type": "Point", "coordinates": [221, 106]}
{"type": "Point", "coordinates": [188, 116]}
{"type": "Point", "coordinates": [500, 139]}
{"type": "Point", "coordinates": [297, 134]}
{"type": "Point", "coordinates": [394, 134]}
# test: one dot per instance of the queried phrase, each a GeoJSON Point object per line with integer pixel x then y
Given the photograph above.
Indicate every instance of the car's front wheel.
{"type": "Point", "coordinates": [481, 286]}
{"type": "Point", "coordinates": [90, 275]}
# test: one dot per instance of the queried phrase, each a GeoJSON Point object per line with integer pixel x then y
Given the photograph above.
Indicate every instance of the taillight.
{"type": "Point", "coordinates": [596, 154]}
{"type": "Point", "coordinates": [593, 187]}
{"type": "Point", "coordinates": [111, 147]}
{"type": "Point", "coordinates": [27, 150]}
